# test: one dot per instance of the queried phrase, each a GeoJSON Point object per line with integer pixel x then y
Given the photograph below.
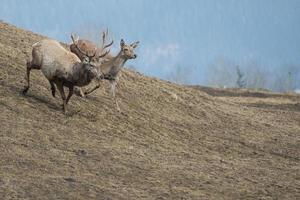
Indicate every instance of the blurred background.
{"type": "Point", "coordinates": [220, 43]}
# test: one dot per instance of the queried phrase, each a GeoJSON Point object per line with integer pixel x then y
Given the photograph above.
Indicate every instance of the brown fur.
{"type": "Point", "coordinates": [110, 68]}
{"type": "Point", "coordinates": [89, 48]}
{"type": "Point", "coordinates": [60, 67]}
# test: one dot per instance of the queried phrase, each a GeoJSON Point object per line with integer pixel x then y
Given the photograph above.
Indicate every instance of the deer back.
{"type": "Point", "coordinates": [53, 58]}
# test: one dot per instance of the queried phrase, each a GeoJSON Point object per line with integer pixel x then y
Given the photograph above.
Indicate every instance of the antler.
{"type": "Point", "coordinates": [75, 42]}
{"type": "Point", "coordinates": [104, 54]}
{"type": "Point", "coordinates": [103, 46]}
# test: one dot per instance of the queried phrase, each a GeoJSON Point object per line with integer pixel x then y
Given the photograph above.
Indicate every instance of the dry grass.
{"type": "Point", "coordinates": [169, 141]}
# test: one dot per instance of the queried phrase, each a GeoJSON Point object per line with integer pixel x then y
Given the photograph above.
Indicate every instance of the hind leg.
{"type": "Point", "coordinates": [70, 93]}
{"type": "Point", "coordinates": [60, 88]}
{"type": "Point", "coordinates": [52, 88]}
{"type": "Point", "coordinates": [113, 93]}
{"type": "Point", "coordinates": [29, 67]}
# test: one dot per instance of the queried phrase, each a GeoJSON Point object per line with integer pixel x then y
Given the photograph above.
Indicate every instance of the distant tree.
{"type": "Point", "coordinates": [241, 83]}
{"type": "Point", "coordinates": [287, 78]}
{"type": "Point", "coordinates": [257, 75]}
{"type": "Point", "coordinates": [225, 73]}
{"type": "Point", "coordinates": [286, 82]}
{"type": "Point", "coordinates": [221, 73]}
{"type": "Point", "coordinates": [179, 74]}
{"type": "Point", "coordinates": [289, 81]}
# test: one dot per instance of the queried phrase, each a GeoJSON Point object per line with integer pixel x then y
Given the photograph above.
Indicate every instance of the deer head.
{"type": "Point", "coordinates": [87, 51]}
{"type": "Point", "coordinates": [127, 50]}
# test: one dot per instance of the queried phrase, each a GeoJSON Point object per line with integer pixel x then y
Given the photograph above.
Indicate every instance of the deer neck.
{"type": "Point", "coordinates": [81, 75]}
{"type": "Point", "coordinates": [119, 60]}
{"type": "Point", "coordinates": [112, 67]}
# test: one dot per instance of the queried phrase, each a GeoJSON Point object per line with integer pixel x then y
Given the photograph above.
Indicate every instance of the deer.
{"type": "Point", "coordinates": [61, 67]}
{"type": "Point", "coordinates": [110, 67]}
{"type": "Point", "coordinates": [88, 46]}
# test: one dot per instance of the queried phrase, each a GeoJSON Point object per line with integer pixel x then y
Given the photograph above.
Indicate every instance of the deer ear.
{"type": "Point", "coordinates": [135, 44]}
{"type": "Point", "coordinates": [122, 43]}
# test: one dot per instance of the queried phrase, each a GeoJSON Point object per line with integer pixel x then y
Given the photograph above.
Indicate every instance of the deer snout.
{"type": "Point", "coordinates": [134, 56]}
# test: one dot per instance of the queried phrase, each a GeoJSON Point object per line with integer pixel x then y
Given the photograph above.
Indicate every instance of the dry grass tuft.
{"type": "Point", "coordinates": [169, 141]}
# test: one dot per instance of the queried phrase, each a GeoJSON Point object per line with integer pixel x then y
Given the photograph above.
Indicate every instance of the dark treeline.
{"type": "Point", "coordinates": [224, 73]}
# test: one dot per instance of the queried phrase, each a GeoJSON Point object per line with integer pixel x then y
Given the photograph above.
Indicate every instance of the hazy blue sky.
{"type": "Point", "coordinates": [188, 33]}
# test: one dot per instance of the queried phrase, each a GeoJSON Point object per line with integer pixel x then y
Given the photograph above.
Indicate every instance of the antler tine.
{"type": "Point", "coordinates": [112, 41]}
{"type": "Point", "coordinates": [104, 54]}
{"type": "Point", "coordinates": [106, 31]}
{"type": "Point", "coordinates": [73, 39]}
{"type": "Point", "coordinates": [103, 45]}
{"type": "Point", "coordinates": [103, 39]}
{"type": "Point", "coordinates": [90, 57]}
{"type": "Point", "coordinates": [108, 45]}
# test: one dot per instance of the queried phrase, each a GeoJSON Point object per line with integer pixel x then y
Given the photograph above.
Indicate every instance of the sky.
{"type": "Point", "coordinates": [190, 34]}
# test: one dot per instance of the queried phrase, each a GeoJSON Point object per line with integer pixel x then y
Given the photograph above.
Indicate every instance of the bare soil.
{"type": "Point", "coordinates": [169, 141]}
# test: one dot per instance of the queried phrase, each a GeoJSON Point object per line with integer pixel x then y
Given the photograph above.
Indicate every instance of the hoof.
{"type": "Point", "coordinates": [85, 94]}
{"type": "Point", "coordinates": [78, 92]}
{"type": "Point", "coordinates": [25, 91]}
{"type": "Point", "coordinates": [64, 108]}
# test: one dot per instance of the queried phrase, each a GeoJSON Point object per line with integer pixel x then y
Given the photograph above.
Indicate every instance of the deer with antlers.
{"type": "Point", "coordinates": [110, 66]}
{"type": "Point", "coordinates": [61, 67]}
{"type": "Point", "coordinates": [89, 47]}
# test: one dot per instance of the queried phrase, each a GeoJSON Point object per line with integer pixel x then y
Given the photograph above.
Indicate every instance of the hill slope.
{"type": "Point", "coordinates": [169, 141]}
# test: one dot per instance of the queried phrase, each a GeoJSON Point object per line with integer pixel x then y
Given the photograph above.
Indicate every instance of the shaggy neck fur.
{"type": "Point", "coordinates": [83, 74]}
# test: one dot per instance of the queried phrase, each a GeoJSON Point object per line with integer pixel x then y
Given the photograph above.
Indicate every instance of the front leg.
{"type": "Point", "coordinates": [60, 88]}
{"type": "Point", "coordinates": [52, 88]}
{"type": "Point", "coordinates": [93, 89]}
{"type": "Point", "coordinates": [78, 91]}
{"type": "Point", "coordinates": [70, 93]}
{"type": "Point", "coordinates": [113, 93]}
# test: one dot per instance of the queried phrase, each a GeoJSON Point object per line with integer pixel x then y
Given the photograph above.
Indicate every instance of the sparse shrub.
{"type": "Point", "coordinates": [241, 83]}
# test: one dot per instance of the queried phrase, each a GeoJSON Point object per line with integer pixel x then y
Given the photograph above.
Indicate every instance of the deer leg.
{"type": "Point", "coordinates": [112, 88]}
{"type": "Point", "coordinates": [113, 93]}
{"type": "Point", "coordinates": [52, 88]}
{"type": "Point", "coordinates": [70, 93]}
{"type": "Point", "coordinates": [78, 91]}
{"type": "Point", "coordinates": [117, 105]}
{"type": "Point", "coordinates": [29, 67]}
{"type": "Point", "coordinates": [60, 88]}
{"type": "Point", "coordinates": [93, 89]}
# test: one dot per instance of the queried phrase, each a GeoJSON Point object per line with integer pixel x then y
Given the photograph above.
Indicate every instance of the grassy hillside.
{"type": "Point", "coordinates": [169, 141]}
